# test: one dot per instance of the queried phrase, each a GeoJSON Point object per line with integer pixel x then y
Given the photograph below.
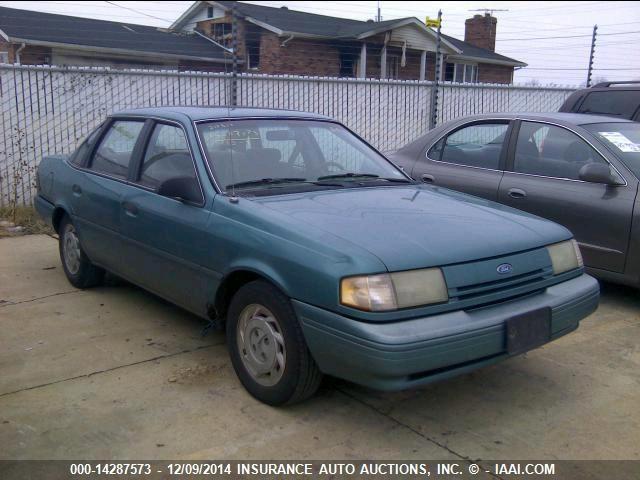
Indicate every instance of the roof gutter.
{"type": "Point", "coordinates": [288, 39]}
{"type": "Point", "coordinates": [121, 51]}
{"type": "Point", "coordinates": [506, 63]}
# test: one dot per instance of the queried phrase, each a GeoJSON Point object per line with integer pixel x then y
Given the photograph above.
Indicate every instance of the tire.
{"type": "Point", "coordinates": [267, 348]}
{"type": "Point", "coordinates": [79, 270]}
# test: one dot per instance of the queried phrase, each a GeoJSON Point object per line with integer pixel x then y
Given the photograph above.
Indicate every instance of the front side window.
{"type": "Point", "coordinates": [167, 157]}
{"type": "Point", "coordinates": [270, 152]}
{"type": "Point", "coordinates": [552, 151]}
{"type": "Point", "coordinates": [116, 149]}
{"type": "Point", "coordinates": [478, 145]}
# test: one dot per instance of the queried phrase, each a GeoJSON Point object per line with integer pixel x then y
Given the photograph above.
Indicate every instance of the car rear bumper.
{"type": "Point", "coordinates": [45, 209]}
{"type": "Point", "coordinates": [404, 354]}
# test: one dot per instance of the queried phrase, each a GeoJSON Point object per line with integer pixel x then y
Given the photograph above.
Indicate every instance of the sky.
{"type": "Point", "coordinates": [553, 38]}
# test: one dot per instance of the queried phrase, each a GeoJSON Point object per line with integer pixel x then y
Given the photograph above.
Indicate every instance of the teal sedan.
{"type": "Point", "coordinates": [314, 252]}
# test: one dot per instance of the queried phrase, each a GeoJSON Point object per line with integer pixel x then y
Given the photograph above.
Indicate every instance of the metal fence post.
{"type": "Point", "coordinates": [591, 55]}
{"type": "Point", "coordinates": [434, 88]}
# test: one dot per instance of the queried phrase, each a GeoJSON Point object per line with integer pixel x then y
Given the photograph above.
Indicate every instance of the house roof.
{"type": "Point", "coordinates": [66, 31]}
{"type": "Point", "coordinates": [471, 51]}
{"type": "Point", "coordinates": [286, 22]}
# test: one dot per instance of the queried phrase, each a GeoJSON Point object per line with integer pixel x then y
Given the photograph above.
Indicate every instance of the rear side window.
{"type": "Point", "coordinates": [116, 149]}
{"type": "Point", "coordinates": [621, 103]}
{"type": "Point", "coordinates": [167, 156]}
{"type": "Point", "coordinates": [77, 158]}
{"type": "Point", "coordinates": [478, 145]}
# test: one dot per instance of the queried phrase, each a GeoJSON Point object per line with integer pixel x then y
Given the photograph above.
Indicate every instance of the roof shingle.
{"type": "Point", "coordinates": [64, 29]}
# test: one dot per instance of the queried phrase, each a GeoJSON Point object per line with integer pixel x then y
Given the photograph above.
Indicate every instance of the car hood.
{"type": "Point", "coordinates": [417, 226]}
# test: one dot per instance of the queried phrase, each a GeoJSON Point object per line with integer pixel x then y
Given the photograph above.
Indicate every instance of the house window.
{"type": "Point", "coordinates": [209, 12]}
{"type": "Point", "coordinates": [461, 73]}
{"type": "Point", "coordinates": [222, 33]}
{"type": "Point", "coordinates": [393, 66]}
{"type": "Point", "coordinates": [4, 57]}
{"type": "Point", "coordinates": [253, 54]}
{"type": "Point", "coordinates": [449, 71]}
{"type": "Point", "coordinates": [348, 62]}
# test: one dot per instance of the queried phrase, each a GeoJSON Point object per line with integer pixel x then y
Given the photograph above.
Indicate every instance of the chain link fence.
{"type": "Point", "coordinates": [46, 110]}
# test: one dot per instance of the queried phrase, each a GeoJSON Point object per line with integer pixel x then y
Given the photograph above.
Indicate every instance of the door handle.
{"type": "Point", "coordinates": [130, 209]}
{"type": "Point", "coordinates": [517, 193]}
{"type": "Point", "coordinates": [428, 178]}
{"type": "Point", "coordinates": [76, 189]}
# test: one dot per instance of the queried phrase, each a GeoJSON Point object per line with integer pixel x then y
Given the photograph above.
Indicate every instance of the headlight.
{"type": "Point", "coordinates": [565, 256]}
{"type": "Point", "coordinates": [391, 291]}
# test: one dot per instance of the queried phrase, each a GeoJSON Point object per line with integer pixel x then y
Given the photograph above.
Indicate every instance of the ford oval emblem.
{"type": "Point", "coordinates": [504, 268]}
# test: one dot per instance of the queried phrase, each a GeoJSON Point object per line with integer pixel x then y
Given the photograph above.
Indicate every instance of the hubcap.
{"type": "Point", "coordinates": [261, 344]}
{"type": "Point", "coordinates": [71, 249]}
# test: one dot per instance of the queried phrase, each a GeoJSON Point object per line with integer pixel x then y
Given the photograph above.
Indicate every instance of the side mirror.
{"type": "Point", "coordinates": [597, 173]}
{"type": "Point", "coordinates": [185, 189]}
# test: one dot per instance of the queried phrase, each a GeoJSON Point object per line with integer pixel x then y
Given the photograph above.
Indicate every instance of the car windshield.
{"type": "Point", "coordinates": [623, 139]}
{"type": "Point", "coordinates": [278, 154]}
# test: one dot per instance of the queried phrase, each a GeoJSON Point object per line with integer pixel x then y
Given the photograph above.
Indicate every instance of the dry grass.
{"type": "Point", "coordinates": [24, 216]}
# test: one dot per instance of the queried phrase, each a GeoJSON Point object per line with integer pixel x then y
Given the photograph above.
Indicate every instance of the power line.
{"type": "Point", "coordinates": [139, 12]}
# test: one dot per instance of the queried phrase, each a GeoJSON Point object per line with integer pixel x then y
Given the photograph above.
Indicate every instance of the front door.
{"type": "Point", "coordinates": [469, 159]}
{"type": "Point", "coordinates": [168, 244]}
{"type": "Point", "coordinates": [546, 181]}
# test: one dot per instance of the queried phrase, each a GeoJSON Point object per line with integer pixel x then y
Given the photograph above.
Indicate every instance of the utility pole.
{"type": "Point", "coordinates": [434, 91]}
{"type": "Point", "coordinates": [379, 16]}
{"type": "Point", "coordinates": [234, 48]}
{"type": "Point", "coordinates": [591, 55]}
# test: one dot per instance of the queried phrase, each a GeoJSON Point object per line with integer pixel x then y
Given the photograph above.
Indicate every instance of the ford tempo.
{"type": "Point", "coordinates": [314, 252]}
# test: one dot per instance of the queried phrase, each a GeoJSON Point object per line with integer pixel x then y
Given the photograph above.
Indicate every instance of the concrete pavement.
{"type": "Point", "coordinates": [116, 373]}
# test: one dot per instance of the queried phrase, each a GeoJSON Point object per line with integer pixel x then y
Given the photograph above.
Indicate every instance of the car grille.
{"type": "Point", "coordinates": [499, 286]}
{"type": "Point", "coordinates": [477, 283]}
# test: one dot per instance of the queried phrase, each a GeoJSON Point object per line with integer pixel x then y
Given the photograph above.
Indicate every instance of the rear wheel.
{"type": "Point", "coordinates": [267, 348]}
{"type": "Point", "coordinates": [79, 270]}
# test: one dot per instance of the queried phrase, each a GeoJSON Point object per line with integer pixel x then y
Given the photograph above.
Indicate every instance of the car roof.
{"type": "Point", "coordinates": [556, 117]}
{"type": "Point", "coordinates": [216, 112]}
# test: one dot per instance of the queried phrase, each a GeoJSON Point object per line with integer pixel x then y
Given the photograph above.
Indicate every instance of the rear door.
{"type": "Point", "coordinates": [469, 159]}
{"type": "Point", "coordinates": [97, 193]}
{"type": "Point", "coordinates": [543, 179]}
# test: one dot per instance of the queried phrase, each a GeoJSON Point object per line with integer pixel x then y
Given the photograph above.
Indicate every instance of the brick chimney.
{"type": "Point", "coordinates": [480, 31]}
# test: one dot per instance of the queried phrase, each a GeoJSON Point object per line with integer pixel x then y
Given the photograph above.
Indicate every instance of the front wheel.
{"type": "Point", "coordinates": [267, 348]}
{"type": "Point", "coordinates": [79, 270]}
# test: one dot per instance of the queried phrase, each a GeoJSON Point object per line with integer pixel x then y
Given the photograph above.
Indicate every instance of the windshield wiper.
{"type": "Point", "coordinates": [365, 176]}
{"type": "Point", "coordinates": [266, 181]}
{"type": "Point", "coordinates": [349, 175]}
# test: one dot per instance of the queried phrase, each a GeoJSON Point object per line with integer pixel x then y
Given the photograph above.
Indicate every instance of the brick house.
{"type": "Point", "coordinates": [35, 38]}
{"type": "Point", "coordinates": [283, 41]}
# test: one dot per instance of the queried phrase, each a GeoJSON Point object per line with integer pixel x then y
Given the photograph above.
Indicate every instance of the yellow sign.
{"type": "Point", "coordinates": [432, 22]}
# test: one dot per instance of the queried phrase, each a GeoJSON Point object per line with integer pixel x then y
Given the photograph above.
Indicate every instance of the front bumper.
{"type": "Point", "coordinates": [408, 353]}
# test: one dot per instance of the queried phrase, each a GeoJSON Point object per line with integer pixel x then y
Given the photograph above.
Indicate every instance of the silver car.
{"type": "Point", "coordinates": [581, 171]}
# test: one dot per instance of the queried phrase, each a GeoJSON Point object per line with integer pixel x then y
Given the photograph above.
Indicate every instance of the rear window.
{"type": "Point", "coordinates": [623, 103]}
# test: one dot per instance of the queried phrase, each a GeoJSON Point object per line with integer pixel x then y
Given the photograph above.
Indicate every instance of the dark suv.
{"type": "Point", "coordinates": [616, 99]}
